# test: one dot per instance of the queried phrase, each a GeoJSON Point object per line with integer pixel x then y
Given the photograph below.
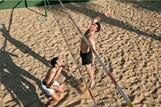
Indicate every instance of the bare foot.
{"type": "Point", "coordinates": [92, 84]}
{"type": "Point", "coordinates": [49, 102]}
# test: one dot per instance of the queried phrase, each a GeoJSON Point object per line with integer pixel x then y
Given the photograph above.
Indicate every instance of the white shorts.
{"type": "Point", "coordinates": [49, 91]}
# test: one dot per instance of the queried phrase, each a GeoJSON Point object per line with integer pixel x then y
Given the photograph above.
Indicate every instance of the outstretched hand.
{"type": "Point", "coordinates": [108, 14]}
{"type": "Point", "coordinates": [98, 18]}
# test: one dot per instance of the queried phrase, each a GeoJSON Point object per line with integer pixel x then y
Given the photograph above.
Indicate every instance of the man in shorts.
{"type": "Point", "coordinates": [86, 54]}
{"type": "Point", "coordinates": [50, 84]}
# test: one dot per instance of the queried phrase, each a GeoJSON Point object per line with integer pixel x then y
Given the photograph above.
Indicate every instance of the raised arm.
{"type": "Point", "coordinates": [49, 77]}
{"type": "Point", "coordinates": [61, 66]}
{"type": "Point", "coordinates": [58, 73]}
{"type": "Point", "coordinates": [98, 18]}
{"type": "Point", "coordinates": [95, 20]}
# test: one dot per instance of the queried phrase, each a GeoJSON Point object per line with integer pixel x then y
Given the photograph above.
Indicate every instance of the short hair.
{"type": "Point", "coordinates": [53, 61]}
{"type": "Point", "coordinates": [98, 26]}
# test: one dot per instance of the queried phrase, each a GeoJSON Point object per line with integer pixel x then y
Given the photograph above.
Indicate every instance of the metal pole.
{"type": "Point", "coordinates": [45, 8]}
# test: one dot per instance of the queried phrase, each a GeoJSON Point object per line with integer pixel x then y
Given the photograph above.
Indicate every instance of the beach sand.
{"type": "Point", "coordinates": [129, 44]}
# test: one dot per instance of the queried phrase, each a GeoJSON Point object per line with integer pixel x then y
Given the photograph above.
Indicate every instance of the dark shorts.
{"type": "Point", "coordinates": [86, 58]}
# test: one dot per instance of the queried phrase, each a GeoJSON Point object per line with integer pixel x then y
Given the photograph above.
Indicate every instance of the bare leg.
{"type": "Point", "coordinates": [59, 89]}
{"type": "Point", "coordinates": [91, 74]}
{"type": "Point", "coordinates": [48, 103]}
{"type": "Point", "coordinates": [55, 96]}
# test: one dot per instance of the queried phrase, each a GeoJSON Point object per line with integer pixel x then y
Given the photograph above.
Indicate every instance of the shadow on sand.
{"type": "Point", "coordinates": [151, 5]}
{"type": "Point", "coordinates": [14, 80]}
{"type": "Point", "coordinates": [86, 10]}
{"type": "Point", "coordinates": [111, 21]}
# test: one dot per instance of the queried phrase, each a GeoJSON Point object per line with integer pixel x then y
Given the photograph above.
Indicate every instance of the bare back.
{"type": "Point", "coordinates": [50, 75]}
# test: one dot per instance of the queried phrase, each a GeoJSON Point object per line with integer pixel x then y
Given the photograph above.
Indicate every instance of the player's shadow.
{"type": "Point", "coordinates": [16, 82]}
{"type": "Point", "coordinates": [86, 10]}
{"type": "Point", "coordinates": [152, 5]}
{"type": "Point", "coordinates": [13, 77]}
{"type": "Point", "coordinates": [111, 21]}
{"type": "Point", "coordinates": [18, 44]}
{"type": "Point", "coordinates": [75, 83]}
{"type": "Point", "coordinates": [22, 47]}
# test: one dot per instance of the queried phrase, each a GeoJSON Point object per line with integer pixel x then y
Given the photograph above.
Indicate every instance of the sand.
{"type": "Point", "coordinates": [129, 43]}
